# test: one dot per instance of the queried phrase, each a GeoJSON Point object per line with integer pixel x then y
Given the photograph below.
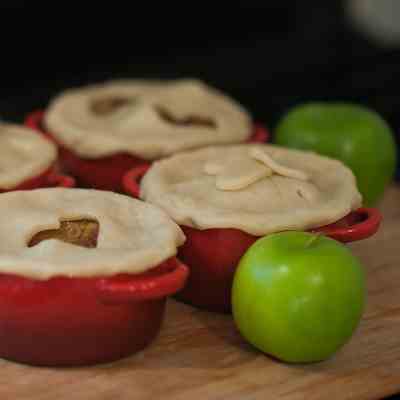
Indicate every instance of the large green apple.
{"type": "Point", "coordinates": [351, 133]}
{"type": "Point", "coordinates": [298, 296]}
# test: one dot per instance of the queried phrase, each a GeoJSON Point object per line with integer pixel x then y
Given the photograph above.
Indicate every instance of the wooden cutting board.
{"type": "Point", "coordinates": [199, 355]}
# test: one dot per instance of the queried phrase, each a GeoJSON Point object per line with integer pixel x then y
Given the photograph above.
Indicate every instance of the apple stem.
{"type": "Point", "coordinates": [313, 239]}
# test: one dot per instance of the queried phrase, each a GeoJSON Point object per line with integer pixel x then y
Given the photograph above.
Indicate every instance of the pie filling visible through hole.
{"type": "Point", "coordinates": [81, 232]}
{"type": "Point", "coordinates": [189, 120]}
{"type": "Point", "coordinates": [109, 105]}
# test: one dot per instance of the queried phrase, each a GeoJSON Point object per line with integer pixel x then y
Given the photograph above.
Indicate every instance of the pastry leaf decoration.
{"type": "Point", "coordinates": [240, 172]}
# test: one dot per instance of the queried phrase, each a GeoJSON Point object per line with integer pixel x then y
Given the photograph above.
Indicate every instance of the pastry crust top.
{"type": "Point", "coordinates": [257, 188]}
{"type": "Point", "coordinates": [24, 154]}
{"type": "Point", "coordinates": [133, 236]}
{"type": "Point", "coordinates": [147, 119]}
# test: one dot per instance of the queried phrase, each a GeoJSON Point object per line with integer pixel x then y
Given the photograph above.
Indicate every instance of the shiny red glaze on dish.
{"type": "Point", "coordinates": [80, 321]}
{"type": "Point", "coordinates": [48, 178]}
{"type": "Point", "coordinates": [213, 254]}
{"type": "Point", "coordinates": [105, 173]}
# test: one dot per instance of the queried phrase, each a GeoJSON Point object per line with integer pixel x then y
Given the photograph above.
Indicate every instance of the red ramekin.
{"type": "Point", "coordinates": [80, 321]}
{"type": "Point", "coordinates": [105, 173]}
{"type": "Point", "coordinates": [212, 255]}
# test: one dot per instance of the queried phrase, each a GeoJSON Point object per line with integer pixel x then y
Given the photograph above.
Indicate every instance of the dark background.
{"type": "Point", "coordinates": [270, 55]}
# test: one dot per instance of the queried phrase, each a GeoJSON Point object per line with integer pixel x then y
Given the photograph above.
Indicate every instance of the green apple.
{"type": "Point", "coordinates": [298, 296]}
{"type": "Point", "coordinates": [351, 133]}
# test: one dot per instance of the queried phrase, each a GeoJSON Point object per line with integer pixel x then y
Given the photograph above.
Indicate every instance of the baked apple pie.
{"type": "Point", "coordinates": [84, 275]}
{"type": "Point", "coordinates": [225, 198]}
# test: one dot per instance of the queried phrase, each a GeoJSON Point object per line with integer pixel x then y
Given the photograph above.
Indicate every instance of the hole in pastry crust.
{"type": "Point", "coordinates": [109, 105]}
{"type": "Point", "coordinates": [190, 120]}
{"type": "Point", "coordinates": [300, 193]}
{"type": "Point", "coordinates": [82, 232]}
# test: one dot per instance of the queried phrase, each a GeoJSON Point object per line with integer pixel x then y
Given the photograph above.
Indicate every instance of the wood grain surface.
{"type": "Point", "coordinates": [199, 355]}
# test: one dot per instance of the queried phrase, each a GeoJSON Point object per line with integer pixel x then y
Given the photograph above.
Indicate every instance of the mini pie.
{"type": "Point", "coordinates": [106, 129]}
{"type": "Point", "coordinates": [224, 198]}
{"type": "Point", "coordinates": [258, 189]}
{"type": "Point", "coordinates": [148, 119]}
{"type": "Point", "coordinates": [84, 275]}
{"type": "Point", "coordinates": [40, 231]}
{"type": "Point", "coordinates": [27, 158]}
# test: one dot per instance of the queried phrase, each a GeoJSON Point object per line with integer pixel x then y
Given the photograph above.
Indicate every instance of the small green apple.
{"type": "Point", "coordinates": [351, 133]}
{"type": "Point", "coordinates": [298, 296]}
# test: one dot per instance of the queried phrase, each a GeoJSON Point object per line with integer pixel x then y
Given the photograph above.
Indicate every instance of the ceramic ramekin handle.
{"type": "Point", "coordinates": [60, 180]}
{"type": "Point", "coordinates": [363, 223]}
{"type": "Point", "coordinates": [131, 180]}
{"type": "Point", "coordinates": [260, 134]}
{"type": "Point", "coordinates": [34, 120]}
{"type": "Point", "coordinates": [146, 286]}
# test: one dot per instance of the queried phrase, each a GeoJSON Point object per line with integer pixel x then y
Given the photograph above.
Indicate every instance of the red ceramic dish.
{"type": "Point", "coordinates": [213, 254]}
{"type": "Point", "coordinates": [81, 321]}
{"type": "Point", "coordinates": [49, 178]}
{"type": "Point", "coordinates": [106, 173]}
